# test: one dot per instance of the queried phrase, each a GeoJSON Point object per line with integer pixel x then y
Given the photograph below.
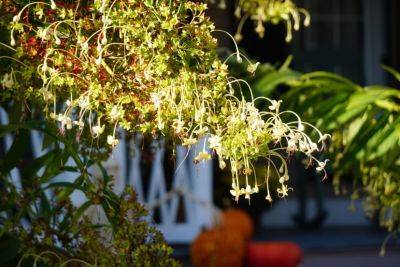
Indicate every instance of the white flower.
{"type": "Point", "coordinates": [234, 166]}
{"type": "Point", "coordinates": [255, 189]}
{"type": "Point", "coordinates": [238, 12]}
{"type": "Point", "coordinates": [283, 191]}
{"type": "Point", "coordinates": [63, 13]}
{"type": "Point", "coordinates": [313, 147]}
{"type": "Point", "coordinates": [156, 100]}
{"type": "Point", "coordinates": [278, 132]}
{"type": "Point", "coordinates": [236, 192]}
{"type": "Point", "coordinates": [282, 168]}
{"type": "Point", "coordinates": [42, 33]}
{"type": "Point", "coordinates": [112, 141]}
{"type": "Point", "coordinates": [47, 95]}
{"type": "Point", "coordinates": [80, 124]}
{"type": "Point", "coordinates": [322, 140]}
{"type": "Point", "coordinates": [53, 4]}
{"type": "Point", "coordinates": [58, 41]}
{"type": "Point", "coordinates": [160, 124]}
{"type": "Point", "coordinates": [324, 137]}
{"type": "Point", "coordinates": [44, 66]}
{"type": "Point", "coordinates": [256, 123]}
{"type": "Point", "coordinates": [116, 113]}
{"type": "Point", "coordinates": [16, 18]}
{"type": "Point", "coordinates": [198, 114]}
{"type": "Point", "coordinates": [98, 60]}
{"type": "Point", "coordinates": [65, 121]}
{"type": "Point", "coordinates": [239, 58]}
{"type": "Point", "coordinates": [247, 192]}
{"type": "Point", "coordinates": [189, 141]}
{"type": "Point", "coordinates": [252, 67]}
{"type": "Point", "coordinates": [12, 41]}
{"type": "Point", "coordinates": [283, 179]}
{"type": "Point", "coordinates": [222, 164]}
{"type": "Point", "coordinates": [85, 46]}
{"type": "Point", "coordinates": [303, 146]}
{"type": "Point", "coordinates": [178, 125]}
{"type": "Point", "coordinates": [202, 156]}
{"type": "Point", "coordinates": [321, 165]}
{"type": "Point", "coordinates": [202, 130]}
{"type": "Point", "coordinates": [7, 81]}
{"type": "Point", "coordinates": [275, 105]}
{"type": "Point", "coordinates": [214, 141]}
{"type": "Point", "coordinates": [291, 147]}
{"type": "Point", "coordinates": [83, 103]}
{"type": "Point", "coordinates": [97, 130]}
{"type": "Point", "coordinates": [69, 124]}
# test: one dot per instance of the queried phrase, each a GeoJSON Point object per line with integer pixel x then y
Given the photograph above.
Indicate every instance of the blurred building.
{"type": "Point", "coordinates": [349, 37]}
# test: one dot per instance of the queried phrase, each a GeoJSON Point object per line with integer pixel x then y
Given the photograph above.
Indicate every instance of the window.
{"type": "Point", "coordinates": [345, 36]}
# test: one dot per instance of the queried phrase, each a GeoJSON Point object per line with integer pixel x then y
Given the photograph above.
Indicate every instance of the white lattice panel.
{"type": "Point", "coordinates": [191, 184]}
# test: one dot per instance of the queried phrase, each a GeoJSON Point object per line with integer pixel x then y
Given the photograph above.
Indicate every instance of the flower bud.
{"type": "Point", "coordinates": [16, 18]}
{"type": "Point", "coordinates": [53, 5]}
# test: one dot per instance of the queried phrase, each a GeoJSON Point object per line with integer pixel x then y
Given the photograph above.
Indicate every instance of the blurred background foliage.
{"type": "Point", "coordinates": [364, 123]}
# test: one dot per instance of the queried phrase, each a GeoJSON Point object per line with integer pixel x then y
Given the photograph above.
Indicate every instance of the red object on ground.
{"type": "Point", "coordinates": [274, 254]}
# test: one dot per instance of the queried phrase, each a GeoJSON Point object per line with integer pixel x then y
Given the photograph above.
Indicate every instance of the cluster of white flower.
{"type": "Point", "coordinates": [7, 81]}
{"type": "Point", "coordinates": [268, 11]}
{"type": "Point", "coordinates": [287, 137]}
{"type": "Point", "coordinates": [123, 76]}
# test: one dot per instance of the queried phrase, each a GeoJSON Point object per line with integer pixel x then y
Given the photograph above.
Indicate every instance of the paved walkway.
{"type": "Point", "coordinates": [353, 258]}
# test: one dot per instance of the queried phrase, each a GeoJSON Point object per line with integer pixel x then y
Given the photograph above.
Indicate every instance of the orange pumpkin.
{"type": "Point", "coordinates": [237, 220]}
{"type": "Point", "coordinates": [218, 248]}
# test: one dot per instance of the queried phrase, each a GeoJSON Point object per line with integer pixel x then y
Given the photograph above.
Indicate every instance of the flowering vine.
{"type": "Point", "coordinates": [262, 12]}
{"type": "Point", "coordinates": [152, 67]}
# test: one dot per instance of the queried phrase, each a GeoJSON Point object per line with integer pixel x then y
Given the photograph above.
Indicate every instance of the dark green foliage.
{"type": "Point", "coordinates": [39, 223]}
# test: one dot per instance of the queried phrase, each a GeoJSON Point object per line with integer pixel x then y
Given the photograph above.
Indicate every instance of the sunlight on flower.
{"type": "Point", "coordinates": [112, 141]}
{"type": "Point", "coordinates": [202, 156]}
{"type": "Point", "coordinates": [7, 81]}
{"type": "Point", "coordinates": [122, 76]}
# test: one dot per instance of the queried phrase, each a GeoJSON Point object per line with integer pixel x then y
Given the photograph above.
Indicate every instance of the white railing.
{"type": "Point", "coordinates": [191, 185]}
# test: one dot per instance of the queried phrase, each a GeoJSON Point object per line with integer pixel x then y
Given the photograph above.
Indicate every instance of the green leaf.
{"type": "Point", "coordinates": [392, 71]}
{"type": "Point", "coordinates": [68, 188]}
{"type": "Point", "coordinates": [149, 3]}
{"type": "Point", "coordinates": [268, 83]}
{"type": "Point", "coordinates": [30, 171]}
{"type": "Point", "coordinates": [323, 77]}
{"type": "Point", "coordinates": [79, 212]}
{"type": "Point", "coordinates": [387, 104]}
{"type": "Point", "coordinates": [66, 185]}
{"type": "Point", "coordinates": [286, 64]}
{"type": "Point", "coordinates": [16, 152]}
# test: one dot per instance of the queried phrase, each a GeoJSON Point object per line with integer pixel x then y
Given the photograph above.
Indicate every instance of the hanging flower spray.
{"type": "Point", "coordinates": [151, 67]}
